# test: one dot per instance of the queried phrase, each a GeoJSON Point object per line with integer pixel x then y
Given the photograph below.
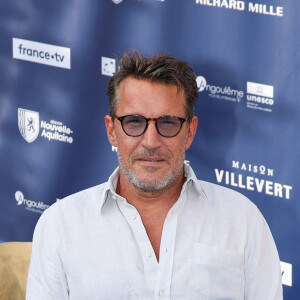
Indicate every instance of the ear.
{"type": "Point", "coordinates": [110, 130]}
{"type": "Point", "coordinates": [191, 132]}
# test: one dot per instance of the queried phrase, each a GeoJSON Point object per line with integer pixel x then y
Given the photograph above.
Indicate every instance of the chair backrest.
{"type": "Point", "coordinates": [14, 263]}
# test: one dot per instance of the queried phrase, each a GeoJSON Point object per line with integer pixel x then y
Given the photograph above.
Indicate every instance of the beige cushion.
{"type": "Point", "coordinates": [14, 263]}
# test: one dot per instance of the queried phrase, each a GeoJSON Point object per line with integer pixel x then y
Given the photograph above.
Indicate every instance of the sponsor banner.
{"type": "Point", "coordinates": [28, 122]}
{"type": "Point", "coordinates": [29, 128]}
{"type": "Point", "coordinates": [253, 181]}
{"type": "Point", "coordinates": [248, 102]}
{"type": "Point", "coordinates": [219, 92]}
{"type": "Point", "coordinates": [41, 53]}
{"type": "Point", "coordinates": [251, 7]}
{"type": "Point", "coordinates": [30, 205]}
{"type": "Point", "coordinates": [260, 96]}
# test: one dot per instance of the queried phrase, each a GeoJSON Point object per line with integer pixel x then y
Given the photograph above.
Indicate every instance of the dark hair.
{"type": "Point", "coordinates": [159, 68]}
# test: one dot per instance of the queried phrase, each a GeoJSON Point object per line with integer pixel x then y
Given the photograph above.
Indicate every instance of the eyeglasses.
{"type": "Point", "coordinates": [136, 125]}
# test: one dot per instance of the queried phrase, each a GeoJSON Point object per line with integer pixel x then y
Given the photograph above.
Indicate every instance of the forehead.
{"type": "Point", "coordinates": [151, 99]}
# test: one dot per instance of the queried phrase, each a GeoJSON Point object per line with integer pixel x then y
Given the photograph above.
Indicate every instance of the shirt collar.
{"type": "Point", "coordinates": [192, 181]}
{"type": "Point", "coordinates": [111, 184]}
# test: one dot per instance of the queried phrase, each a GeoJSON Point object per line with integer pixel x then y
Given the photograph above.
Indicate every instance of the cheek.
{"type": "Point", "coordinates": [179, 145]}
{"type": "Point", "coordinates": [127, 146]}
{"type": "Point", "coordinates": [173, 150]}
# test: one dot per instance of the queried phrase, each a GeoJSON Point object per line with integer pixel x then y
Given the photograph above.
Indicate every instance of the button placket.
{"type": "Point", "coordinates": [134, 220]}
{"type": "Point", "coordinates": [164, 274]}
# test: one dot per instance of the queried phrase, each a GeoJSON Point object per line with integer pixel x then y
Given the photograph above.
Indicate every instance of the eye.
{"type": "Point", "coordinates": [133, 120]}
{"type": "Point", "coordinates": [168, 121]}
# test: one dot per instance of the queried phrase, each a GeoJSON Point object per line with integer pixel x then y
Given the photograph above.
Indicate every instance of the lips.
{"type": "Point", "coordinates": [150, 159]}
{"type": "Point", "coordinates": [151, 156]}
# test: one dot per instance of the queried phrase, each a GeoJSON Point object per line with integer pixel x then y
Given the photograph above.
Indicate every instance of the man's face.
{"type": "Point", "coordinates": [150, 162]}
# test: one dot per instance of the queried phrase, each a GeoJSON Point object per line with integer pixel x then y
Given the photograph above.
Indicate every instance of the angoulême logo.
{"type": "Point", "coordinates": [19, 197]}
{"type": "Point", "coordinates": [219, 92]}
{"type": "Point", "coordinates": [29, 124]}
{"type": "Point", "coordinates": [37, 207]}
{"type": "Point", "coordinates": [201, 83]}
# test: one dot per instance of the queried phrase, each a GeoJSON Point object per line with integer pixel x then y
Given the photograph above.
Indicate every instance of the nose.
{"type": "Point", "coordinates": [151, 138]}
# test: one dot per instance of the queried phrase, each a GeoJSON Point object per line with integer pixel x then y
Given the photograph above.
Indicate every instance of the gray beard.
{"type": "Point", "coordinates": [156, 186]}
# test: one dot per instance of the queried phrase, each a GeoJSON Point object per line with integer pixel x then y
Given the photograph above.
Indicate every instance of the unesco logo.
{"type": "Point", "coordinates": [117, 1]}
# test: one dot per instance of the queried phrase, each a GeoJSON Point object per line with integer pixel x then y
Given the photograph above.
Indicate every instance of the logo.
{"type": "Point", "coordinates": [37, 207]}
{"type": "Point", "coordinates": [42, 53]}
{"type": "Point", "coordinates": [218, 92]}
{"type": "Point", "coordinates": [260, 96]}
{"type": "Point", "coordinates": [108, 66]}
{"type": "Point", "coordinates": [259, 89]}
{"type": "Point", "coordinates": [19, 197]}
{"type": "Point", "coordinates": [117, 1]}
{"type": "Point", "coordinates": [28, 122]}
{"type": "Point", "coordinates": [286, 273]}
{"type": "Point", "coordinates": [201, 83]}
{"type": "Point", "coordinates": [239, 5]}
{"type": "Point", "coordinates": [29, 127]}
{"type": "Point", "coordinates": [253, 177]}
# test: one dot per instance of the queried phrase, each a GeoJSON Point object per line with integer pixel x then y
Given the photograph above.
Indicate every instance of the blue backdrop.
{"type": "Point", "coordinates": [56, 60]}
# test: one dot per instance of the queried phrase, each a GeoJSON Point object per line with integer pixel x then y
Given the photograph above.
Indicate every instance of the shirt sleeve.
{"type": "Point", "coordinates": [46, 277]}
{"type": "Point", "coordinates": [262, 269]}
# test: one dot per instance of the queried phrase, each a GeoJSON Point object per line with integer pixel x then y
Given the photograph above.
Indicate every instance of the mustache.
{"type": "Point", "coordinates": [150, 153]}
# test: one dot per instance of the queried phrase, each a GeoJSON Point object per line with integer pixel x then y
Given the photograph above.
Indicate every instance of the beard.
{"type": "Point", "coordinates": [156, 184]}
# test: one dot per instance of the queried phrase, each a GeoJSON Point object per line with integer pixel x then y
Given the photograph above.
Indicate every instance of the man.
{"type": "Point", "coordinates": [153, 231]}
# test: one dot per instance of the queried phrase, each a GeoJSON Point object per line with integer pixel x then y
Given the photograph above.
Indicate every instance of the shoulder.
{"type": "Point", "coordinates": [75, 206]}
{"type": "Point", "coordinates": [228, 201]}
{"type": "Point", "coordinates": [91, 196]}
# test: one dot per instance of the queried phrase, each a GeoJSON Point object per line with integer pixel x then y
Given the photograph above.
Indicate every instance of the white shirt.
{"type": "Point", "coordinates": [93, 245]}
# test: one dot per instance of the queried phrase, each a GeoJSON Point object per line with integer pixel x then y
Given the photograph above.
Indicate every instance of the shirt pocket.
{"type": "Point", "coordinates": [217, 273]}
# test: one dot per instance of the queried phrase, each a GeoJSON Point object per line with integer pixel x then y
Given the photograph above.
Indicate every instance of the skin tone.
{"type": "Point", "coordinates": [150, 160]}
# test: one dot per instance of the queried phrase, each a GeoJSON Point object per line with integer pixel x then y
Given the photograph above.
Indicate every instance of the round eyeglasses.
{"type": "Point", "coordinates": [136, 125]}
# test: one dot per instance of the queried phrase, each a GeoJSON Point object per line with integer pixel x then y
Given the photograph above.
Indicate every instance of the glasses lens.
{"type": "Point", "coordinates": [134, 125]}
{"type": "Point", "coordinates": [168, 126]}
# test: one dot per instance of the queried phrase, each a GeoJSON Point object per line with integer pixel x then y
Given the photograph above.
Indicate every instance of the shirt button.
{"type": "Point", "coordinates": [114, 197]}
{"type": "Point", "coordinates": [148, 253]}
{"type": "Point", "coordinates": [133, 216]}
{"type": "Point", "coordinates": [161, 293]}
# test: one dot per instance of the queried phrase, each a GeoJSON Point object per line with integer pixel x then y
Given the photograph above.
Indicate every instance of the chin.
{"type": "Point", "coordinates": [148, 185]}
